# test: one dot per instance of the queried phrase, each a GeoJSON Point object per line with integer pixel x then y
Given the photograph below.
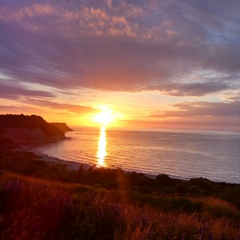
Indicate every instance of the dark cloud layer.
{"type": "Point", "coordinates": [181, 48]}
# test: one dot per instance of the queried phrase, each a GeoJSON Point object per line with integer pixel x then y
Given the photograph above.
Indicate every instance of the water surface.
{"type": "Point", "coordinates": [212, 155]}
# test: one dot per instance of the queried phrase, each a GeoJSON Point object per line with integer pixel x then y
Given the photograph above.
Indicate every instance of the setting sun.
{"type": "Point", "coordinates": [105, 117]}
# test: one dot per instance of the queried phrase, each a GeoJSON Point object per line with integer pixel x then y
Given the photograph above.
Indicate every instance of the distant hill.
{"type": "Point", "coordinates": [62, 126]}
{"type": "Point", "coordinates": [23, 128]}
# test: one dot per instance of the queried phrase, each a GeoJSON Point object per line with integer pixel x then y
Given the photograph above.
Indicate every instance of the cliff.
{"type": "Point", "coordinates": [62, 126]}
{"type": "Point", "coordinates": [22, 128]}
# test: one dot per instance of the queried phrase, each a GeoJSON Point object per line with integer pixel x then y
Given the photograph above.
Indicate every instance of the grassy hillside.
{"type": "Point", "coordinates": [39, 200]}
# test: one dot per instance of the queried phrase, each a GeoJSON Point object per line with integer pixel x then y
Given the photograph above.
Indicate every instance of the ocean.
{"type": "Point", "coordinates": [185, 155]}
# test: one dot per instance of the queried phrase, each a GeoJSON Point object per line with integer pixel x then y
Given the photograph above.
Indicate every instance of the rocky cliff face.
{"type": "Point", "coordinates": [62, 126]}
{"type": "Point", "coordinates": [22, 128]}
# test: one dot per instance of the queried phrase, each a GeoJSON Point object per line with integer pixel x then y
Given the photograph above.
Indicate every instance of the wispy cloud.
{"type": "Point", "coordinates": [201, 109]}
{"type": "Point", "coordinates": [68, 107]}
{"type": "Point", "coordinates": [16, 92]}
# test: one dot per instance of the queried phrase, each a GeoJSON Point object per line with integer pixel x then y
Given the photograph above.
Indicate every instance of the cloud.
{"type": "Point", "coordinates": [71, 108]}
{"type": "Point", "coordinates": [195, 115]}
{"type": "Point", "coordinates": [13, 109]}
{"type": "Point", "coordinates": [202, 109]}
{"type": "Point", "coordinates": [15, 92]}
{"type": "Point", "coordinates": [233, 96]}
{"type": "Point", "coordinates": [225, 123]}
{"type": "Point", "coordinates": [168, 46]}
{"type": "Point", "coordinates": [24, 12]}
{"type": "Point", "coordinates": [195, 89]}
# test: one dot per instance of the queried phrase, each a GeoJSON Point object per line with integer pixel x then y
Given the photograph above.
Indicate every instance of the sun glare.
{"type": "Point", "coordinates": [105, 117]}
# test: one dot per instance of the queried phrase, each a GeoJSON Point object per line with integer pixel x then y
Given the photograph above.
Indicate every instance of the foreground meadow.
{"type": "Point", "coordinates": [39, 200]}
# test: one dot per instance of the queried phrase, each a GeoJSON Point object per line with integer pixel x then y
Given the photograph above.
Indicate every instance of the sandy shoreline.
{"type": "Point", "coordinates": [70, 164]}
{"type": "Point", "coordinates": [51, 159]}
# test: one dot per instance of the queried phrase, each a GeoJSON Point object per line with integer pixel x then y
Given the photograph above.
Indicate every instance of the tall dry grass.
{"type": "Point", "coordinates": [38, 209]}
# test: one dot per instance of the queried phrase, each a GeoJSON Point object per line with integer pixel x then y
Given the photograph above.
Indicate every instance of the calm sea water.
{"type": "Point", "coordinates": [212, 155]}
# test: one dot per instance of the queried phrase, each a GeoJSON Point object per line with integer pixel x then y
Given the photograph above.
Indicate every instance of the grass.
{"type": "Point", "coordinates": [50, 202]}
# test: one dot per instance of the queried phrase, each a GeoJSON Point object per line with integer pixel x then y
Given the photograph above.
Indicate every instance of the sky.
{"type": "Point", "coordinates": [153, 64]}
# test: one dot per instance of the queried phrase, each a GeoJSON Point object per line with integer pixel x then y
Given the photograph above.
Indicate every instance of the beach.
{"type": "Point", "coordinates": [69, 164]}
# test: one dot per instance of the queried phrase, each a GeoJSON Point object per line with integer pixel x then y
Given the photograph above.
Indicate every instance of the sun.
{"type": "Point", "coordinates": [105, 117]}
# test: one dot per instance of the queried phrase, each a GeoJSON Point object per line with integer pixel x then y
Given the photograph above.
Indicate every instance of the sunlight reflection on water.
{"type": "Point", "coordinates": [183, 155]}
{"type": "Point", "coordinates": [102, 147]}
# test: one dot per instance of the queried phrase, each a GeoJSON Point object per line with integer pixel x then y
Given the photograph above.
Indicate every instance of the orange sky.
{"type": "Point", "coordinates": [153, 64]}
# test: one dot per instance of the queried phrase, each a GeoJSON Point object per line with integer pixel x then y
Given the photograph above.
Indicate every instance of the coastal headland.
{"type": "Point", "coordinates": [20, 129]}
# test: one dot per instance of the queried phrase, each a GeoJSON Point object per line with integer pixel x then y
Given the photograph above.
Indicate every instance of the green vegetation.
{"type": "Point", "coordinates": [40, 200]}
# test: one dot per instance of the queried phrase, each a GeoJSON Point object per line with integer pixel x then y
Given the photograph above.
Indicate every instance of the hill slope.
{"type": "Point", "coordinates": [23, 128]}
{"type": "Point", "coordinates": [62, 126]}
